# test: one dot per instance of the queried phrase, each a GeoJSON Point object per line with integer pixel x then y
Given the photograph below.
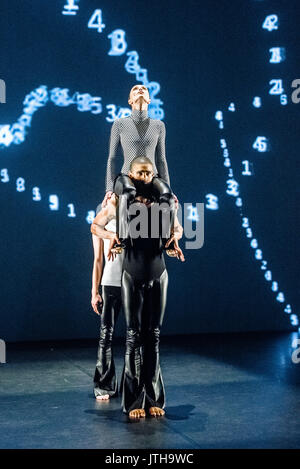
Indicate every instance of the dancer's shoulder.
{"type": "Point", "coordinates": [159, 124]}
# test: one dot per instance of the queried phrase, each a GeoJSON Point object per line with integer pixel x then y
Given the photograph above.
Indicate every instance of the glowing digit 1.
{"type": "Point", "coordinates": [246, 171]}
{"type": "Point", "coordinates": [72, 213]}
{"type": "Point", "coordinates": [36, 196]}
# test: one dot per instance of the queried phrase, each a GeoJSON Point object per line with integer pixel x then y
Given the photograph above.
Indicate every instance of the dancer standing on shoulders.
{"type": "Point", "coordinates": [137, 135]}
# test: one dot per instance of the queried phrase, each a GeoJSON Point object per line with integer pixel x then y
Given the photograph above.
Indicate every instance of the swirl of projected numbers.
{"type": "Point", "coordinates": [15, 134]}
{"type": "Point", "coordinates": [249, 143]}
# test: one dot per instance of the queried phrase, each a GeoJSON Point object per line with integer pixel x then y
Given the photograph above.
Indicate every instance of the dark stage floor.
{"type": "Point", "coordinates": [223, 391]}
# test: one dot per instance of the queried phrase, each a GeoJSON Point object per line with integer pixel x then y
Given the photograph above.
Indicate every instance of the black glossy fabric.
{"type": "Point", "coordinates": [144, 307]}
{"type": "Point", "coordinates": [126, 189]}
{"type": "Point", "coordinates": [144, 259]}
{"type": "Point", "coordinates": [105, 381]}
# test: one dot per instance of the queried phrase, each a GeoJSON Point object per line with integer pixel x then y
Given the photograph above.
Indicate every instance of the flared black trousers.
{"type": "Point", "coordinates": [144, 307]}
{"type": "Point", "coordinates": [105, 380]}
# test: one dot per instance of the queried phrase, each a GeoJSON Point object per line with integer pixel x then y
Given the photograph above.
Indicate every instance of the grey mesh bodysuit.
{"type": "Point", "coordinates": [138, 135]}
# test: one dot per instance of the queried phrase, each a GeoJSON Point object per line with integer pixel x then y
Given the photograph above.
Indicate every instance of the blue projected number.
{"type": "Point", "coordinates": [271, 22]}
{"type": "Point", "coordinates": [53, 202]}
{"type": "Point", "coordinates": [90, 216]}
{"type": "Point", "coordinates": [247, 171]}
{"type": "Point", "coordinates": [277, 87]}
{"type": "Point", "coordinates": [4, 175]}
{"type": "Point", "coordinates": [212, 202]}
{"type": "Point", "coordinates": [84, 102]}
{"type": "Point", "coordinates": [256, 102]}
{"type": "Point", "coordinates": [193, 215]}
{"type": "Point", "coordinates": [116, 113]}
{"type": "Point", "coordinates": [36, 195]}
{"type": "Point", "coordinates": [95, 21]}
{"type": "Point", "coordinates": [20, 185]}
{"type": "Point", "coordinates": [118, 43]}
{"type": "Point", "coordinates": [70, 8]}
{"type": "Point", "coordinates": [277, 55]}
{"type": "Point", "coordinates": [261, 144]}
{"type": "Point", "coordinates": [71, 213]}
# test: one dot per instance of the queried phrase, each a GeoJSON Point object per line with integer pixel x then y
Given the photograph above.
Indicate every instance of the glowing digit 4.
{"type": "Point", "coordinates": [277, 87]}
{"type": "Point", "coordinates": [95, 21]}
{"type": "Point", "coordinates": [270, 23]}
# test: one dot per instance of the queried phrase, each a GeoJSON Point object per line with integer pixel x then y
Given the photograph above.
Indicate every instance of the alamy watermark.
{"type": "Point", "coordinates": [296, 92]}
{"type": "Point", "coordinates": [161, 221]}
{"type": "Point", "coordinates": [2, 92]}
{"type": "Point", "coordinates": [296, 352]}
{"type": "Point", "coordinates": [2, 351]}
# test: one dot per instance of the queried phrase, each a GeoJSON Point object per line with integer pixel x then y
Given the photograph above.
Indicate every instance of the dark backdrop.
{"type": "Point", "coordinates": [205, 55]}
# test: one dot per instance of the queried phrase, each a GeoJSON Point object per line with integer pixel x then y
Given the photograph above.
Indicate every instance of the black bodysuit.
{"type": "Point", "coordinates": [144, 295]}
{"type": "Point", "coordinates": [144, 259]}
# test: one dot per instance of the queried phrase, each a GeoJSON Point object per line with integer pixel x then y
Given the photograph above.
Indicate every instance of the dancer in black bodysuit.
{"type": "Point", "coordinates": [137, 135]}
{"type": "Point", "coordinates": [144, 293]}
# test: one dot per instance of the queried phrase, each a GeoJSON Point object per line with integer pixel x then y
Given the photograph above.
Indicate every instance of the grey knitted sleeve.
{"type": "Point", "coordinates": [114, 142]}
{"type": "Point", "coordinates": [160, 154]}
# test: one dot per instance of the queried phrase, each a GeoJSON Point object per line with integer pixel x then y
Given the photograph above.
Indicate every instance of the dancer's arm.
{"type": "Point", "coordinates": [96, 300]}
{"type": "Point", "coordinates": [160, 155]}
{"type": "Point", "coordinates": [104, 216]}
{"type": "Point", "coordinates": [178, 230]}
{"type": "Point", "coordinates": [112, 156]}
{"type": "Point", "coordinates": [100, 221]}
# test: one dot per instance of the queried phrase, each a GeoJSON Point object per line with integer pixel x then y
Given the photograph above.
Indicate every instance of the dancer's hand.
{"type": "Point", "coordinates": [96, 303]}
{"type": "Point", "coordinates": [113, 240]}
{"type": "Point", "coordinates": [106, 198]}
{"type": "Point", "coordinates": [176, 251]}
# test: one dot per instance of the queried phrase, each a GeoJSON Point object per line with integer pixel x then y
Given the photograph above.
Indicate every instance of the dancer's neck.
{"type": "Point", "coordinates": [139, 114]}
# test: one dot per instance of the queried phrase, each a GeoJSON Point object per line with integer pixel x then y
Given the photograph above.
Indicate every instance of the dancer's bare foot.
{"type": "Point", "coordinates": [156, 412]}
{"type": "Point", "coordinates": [137, 413]}
{"type": "Point", "coordinates": [105, 397]}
